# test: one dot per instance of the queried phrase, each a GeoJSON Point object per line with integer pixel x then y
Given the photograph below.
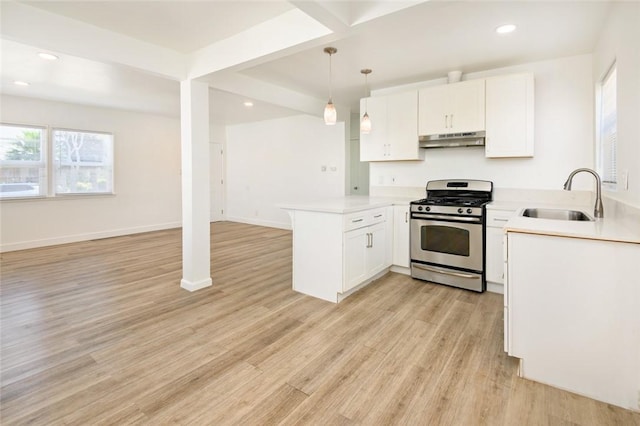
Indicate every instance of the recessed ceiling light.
{"type": "Point", "coordinates": [48, 56]}
{"type": "Point", "coordinates": [248, 103]}
{"type": "Point", "coordinates": [20, 83]}
{"type": "Point", "coordinates": [505, 29]}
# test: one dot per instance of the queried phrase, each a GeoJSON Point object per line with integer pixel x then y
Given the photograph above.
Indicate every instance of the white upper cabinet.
{"type": "Point", "coordinates": [452, 108]}
{"type": "Point", "coordinates": [394, 130]}
{"type": "Point", "coordinates": [509, 116]}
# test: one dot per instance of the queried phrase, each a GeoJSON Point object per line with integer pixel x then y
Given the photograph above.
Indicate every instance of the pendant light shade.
{"type": "Point", "coordinates": [330, 113]}
{"type": "Point", "coordinates": [365, 122]}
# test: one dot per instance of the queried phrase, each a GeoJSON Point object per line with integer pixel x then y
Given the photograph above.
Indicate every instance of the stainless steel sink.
{"type": "Point", "coordinates": [557, 214]}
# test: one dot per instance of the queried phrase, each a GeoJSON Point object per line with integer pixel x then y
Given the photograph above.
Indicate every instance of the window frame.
{"type": "Point", "coordinates": [606, 170]}
{"type": "Point", "coordinates": [53, 166]}
{"type": "Point", "coordinates": [48, 186]}
{"type": "Point", "coordinates": [43, 164]}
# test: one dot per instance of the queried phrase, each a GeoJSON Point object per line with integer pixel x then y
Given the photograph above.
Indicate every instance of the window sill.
{"type": "Point", "coordinates": [57, 197]}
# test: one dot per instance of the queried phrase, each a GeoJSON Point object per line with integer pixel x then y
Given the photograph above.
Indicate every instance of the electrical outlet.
{"type": "Point", "coordinates": [323, 168]}
{"type": "Point", "coordinates": [624, 177]}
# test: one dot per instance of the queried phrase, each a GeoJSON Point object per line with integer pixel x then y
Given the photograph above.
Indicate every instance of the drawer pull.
{"type": "Point", "coordinates": [377, 216]}
{"type": "Point", "coordinates": [501, 220]}
{"type": "Point", "coordinates": [356, 220]}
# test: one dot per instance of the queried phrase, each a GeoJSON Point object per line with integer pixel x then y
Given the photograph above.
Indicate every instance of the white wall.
{"type": "Point", "coordinates": [563, 137]}
{"type": "Point", "coordinates": [146, 174]}
{"type": "Point", "coordinates": [619, 41]}
{"type": "Point", "coordinates": [275, 161]}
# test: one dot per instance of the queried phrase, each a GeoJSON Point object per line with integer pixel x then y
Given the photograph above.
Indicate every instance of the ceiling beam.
{"type": "Point", "coordinates": [284, 31]}
{"type": "Point", "coordinates": [45, 30]}
{"type": "Point", "coordinates": [259, 90]}
{"type": "Point", "coordinates": [336, 20]}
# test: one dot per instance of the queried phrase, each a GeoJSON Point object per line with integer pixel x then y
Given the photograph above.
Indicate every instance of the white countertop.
{"type": "Point", "coordinates": [347, 204]}
{"type": "Point", "coordinates": [607, 228]}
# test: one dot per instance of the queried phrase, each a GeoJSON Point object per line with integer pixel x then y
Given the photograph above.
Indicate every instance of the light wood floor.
{"type": "Point", "coordinates": [100, 332]}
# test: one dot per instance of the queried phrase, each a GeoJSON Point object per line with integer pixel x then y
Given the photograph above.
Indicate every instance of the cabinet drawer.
{"type": "Point", "coordinates": [364, 218]}
{"type": "Point", "coordinates": [356, 220]}
{"type": "Point", "coordinates": [497, 218]}
{"type": "Point", "coordinates": [378, 215]}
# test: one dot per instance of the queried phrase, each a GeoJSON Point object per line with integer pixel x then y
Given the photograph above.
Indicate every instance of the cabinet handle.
{"type": "Point", "coordinates": [455, 274]}
{"type": "Point", "coordinates": [445, 121]}
{"type": "Point", "coordinates": [500, 220]}
{"type": "Point", "coordinates": [368, 240]}
{"type": "Point", "coordinates": [377, 216]}
{"type": "Point", "coordinates": [406, 217]}
{"type": "Point", "coordinates": [451, 122]}
{"type": "Point", "coordinates": [356, 220]}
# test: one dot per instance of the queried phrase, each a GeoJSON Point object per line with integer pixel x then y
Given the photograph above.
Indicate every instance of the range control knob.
{"type": "Point", "coordinates": [460, 210]}
{"type": "Point", "coordinates": [469, 211]}
{"type": "Point", "coordinates": [420, 208]}
{"type": "Point", "coordinates": [428, 208]}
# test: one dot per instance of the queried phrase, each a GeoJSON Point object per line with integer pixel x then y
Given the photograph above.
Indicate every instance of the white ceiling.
{"type": "Point", "coordinates": [131, 54]}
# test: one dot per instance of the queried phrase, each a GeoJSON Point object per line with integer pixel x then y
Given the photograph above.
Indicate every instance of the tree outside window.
{"type": "Point", "coordinates": [83, 162]}
{"type": "Point", "coordinates": [22, 161]}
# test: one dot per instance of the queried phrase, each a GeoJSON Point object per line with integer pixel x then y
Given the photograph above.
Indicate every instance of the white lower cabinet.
{"type": "Point", "coordinates": [335, 253]}
{"type": "Point", "coordinates": [364, 254]}
{"type": "Point", "coordinates": [573, 317]}
{"type": "Point", "coordinates": [496, 219]}
{"type": "Point", "coordinates": [401, 227]}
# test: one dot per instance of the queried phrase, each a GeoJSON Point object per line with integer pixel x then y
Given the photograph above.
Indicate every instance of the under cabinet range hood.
{"type": "Point", "coordinates": [450, 140]}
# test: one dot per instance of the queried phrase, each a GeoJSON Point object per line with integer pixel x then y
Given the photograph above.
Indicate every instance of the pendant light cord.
{"type": "Point", "coordinates": [330, 79]}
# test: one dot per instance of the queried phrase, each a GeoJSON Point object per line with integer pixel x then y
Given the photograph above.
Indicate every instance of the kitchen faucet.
{"type": "Point", "coordinates": [598, 210]}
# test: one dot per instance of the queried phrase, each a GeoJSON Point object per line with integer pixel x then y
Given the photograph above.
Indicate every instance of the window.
{"type": "Point", "coordinates": [607, 129]}
{"type": "Point", "coordinates": [22, 161]}
{"type": "Point", "coordinates": [83, 162]}
{"type": "Point", "coordinates": [79, 162]}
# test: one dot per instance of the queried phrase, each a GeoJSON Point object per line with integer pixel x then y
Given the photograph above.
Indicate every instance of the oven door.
{"type": "Point", "coordinates": [450, 241]}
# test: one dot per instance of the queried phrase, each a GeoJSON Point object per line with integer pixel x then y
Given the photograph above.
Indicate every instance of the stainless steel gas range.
{"type": "Point", "coordinates": [448, 233]}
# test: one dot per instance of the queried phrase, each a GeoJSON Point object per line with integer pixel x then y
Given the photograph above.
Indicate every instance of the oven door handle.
{"type": "Point", "coordinates": [443, 217]}
{"type": "Point", "coordinates": [440, 271]}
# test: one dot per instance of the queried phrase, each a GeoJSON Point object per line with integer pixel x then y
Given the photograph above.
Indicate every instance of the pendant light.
{"type": "Point", "coordinates": [330, 114]}
{"type": "Point", "coordinates": [365, 123]}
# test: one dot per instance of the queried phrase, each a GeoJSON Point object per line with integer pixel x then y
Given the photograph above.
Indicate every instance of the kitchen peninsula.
{"type": "Point", "coordinates": [341, 244]}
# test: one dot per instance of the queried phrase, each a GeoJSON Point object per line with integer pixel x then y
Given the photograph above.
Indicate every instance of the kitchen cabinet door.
{"type": "Point", "coordinates": [433, 107]}
{"type": "Point", "coordinates": [373, 146]}
{"type": "Point", "coordinates": [451, 108]}
{"type": "Point", "coordinates": [401, 253]}
{"type": "Point", "coordinates": [496, 219]}
{"type": "Point", "coordinates": [468, 106]}
{"type": "Point", "coordinates": [402, 126]}
{"type": "Point", "coordinates": [394, 128]}
{"type": "Point", "coordinates": [495, 263]}
{"type": "Point", "coordinates": [509, 116]}
{"type": "Point", "coordinates": [573, 314]}
{"type": "Point", "coordinates": [355, 257]}
{"type": "Point", "coordinates": [376, 255]}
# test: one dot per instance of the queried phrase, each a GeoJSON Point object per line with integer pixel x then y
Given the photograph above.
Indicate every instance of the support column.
{"type": "Point", "coordinates": [194, 124]}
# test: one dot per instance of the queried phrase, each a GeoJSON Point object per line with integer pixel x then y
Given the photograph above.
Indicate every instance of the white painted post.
{"type": "Point", "coordinates": [194, 123]}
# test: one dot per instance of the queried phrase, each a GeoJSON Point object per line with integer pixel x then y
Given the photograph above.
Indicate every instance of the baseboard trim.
{"type": "Point", "coordinates": [23, 245]}
{"type": "Point", "coordinates": [495, 288]}
{"type": "Point", "coordinates": [259, 222]}
{"type": "Point", "coordinates": [193, 286]}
